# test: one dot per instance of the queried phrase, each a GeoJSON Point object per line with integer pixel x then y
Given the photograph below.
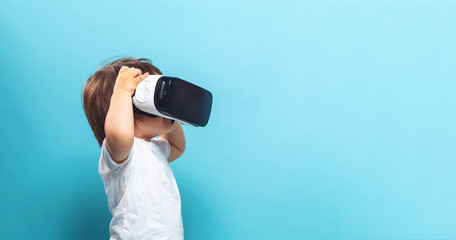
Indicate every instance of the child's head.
{"type": "Point", "coordinates": [97, 97]}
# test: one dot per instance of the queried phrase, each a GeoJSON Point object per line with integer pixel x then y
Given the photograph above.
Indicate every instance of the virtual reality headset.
{"type": "Point", "coordinates": [173, 98]}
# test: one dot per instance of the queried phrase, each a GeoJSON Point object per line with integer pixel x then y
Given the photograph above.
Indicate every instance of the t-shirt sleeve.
{"type": "Point", "coordinates": [110, 163]}
{"type": "Point", "coordinates": [163, 145]}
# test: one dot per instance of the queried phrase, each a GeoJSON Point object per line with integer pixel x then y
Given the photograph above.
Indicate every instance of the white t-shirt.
{"type": "Point", "coordinates": [143, 196]}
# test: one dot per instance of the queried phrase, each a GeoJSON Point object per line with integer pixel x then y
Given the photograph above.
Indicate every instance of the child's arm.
{"type": "Point", "coordinates": [176, 139]}
{"type": "Point", "coordinates": [119, 123]}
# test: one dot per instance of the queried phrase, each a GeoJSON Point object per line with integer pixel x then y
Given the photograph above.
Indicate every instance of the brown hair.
{"type": "Point", "coordinates": [98, 89]}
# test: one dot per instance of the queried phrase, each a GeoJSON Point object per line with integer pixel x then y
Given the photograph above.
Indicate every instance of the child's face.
{"type": "Point", "coordinates": [147, 128]}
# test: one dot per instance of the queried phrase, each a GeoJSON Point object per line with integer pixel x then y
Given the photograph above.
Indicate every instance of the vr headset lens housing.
{"type": "Point", "coordinates": [173, 98]}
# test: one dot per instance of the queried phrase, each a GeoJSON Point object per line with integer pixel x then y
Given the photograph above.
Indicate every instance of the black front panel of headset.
{"type": "Point", "coordinates": [183, 100]}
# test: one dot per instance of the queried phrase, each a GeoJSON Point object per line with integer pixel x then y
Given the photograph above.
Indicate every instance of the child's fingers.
{"type": "Point", "coordinates": [123, 69]}
{"type": "Point", "coordinates": [135, 72]}
{"type": "Point", "coordinates": [143, 76]}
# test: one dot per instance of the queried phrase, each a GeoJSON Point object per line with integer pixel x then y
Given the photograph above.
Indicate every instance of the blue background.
{"type": "Point", "coordinates": [331, 119]}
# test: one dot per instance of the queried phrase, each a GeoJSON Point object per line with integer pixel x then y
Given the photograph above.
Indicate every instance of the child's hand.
{"type": "Point", "coordinates": [128, 79]}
